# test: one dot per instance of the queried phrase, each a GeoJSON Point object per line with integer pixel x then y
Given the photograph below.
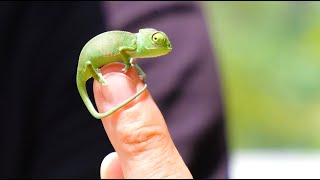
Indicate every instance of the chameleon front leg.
{"type": "Point", "coordinates": [125, 57]}
{"type": "Point", "coordinates": [96, 74]}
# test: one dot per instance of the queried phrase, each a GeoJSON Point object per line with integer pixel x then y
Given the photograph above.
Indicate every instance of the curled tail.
{"type": "Point", "coordinates": [84, 95]}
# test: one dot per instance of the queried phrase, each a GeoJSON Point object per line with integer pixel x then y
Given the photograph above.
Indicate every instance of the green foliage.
{"type": "Point", "coordinates": [269, 60]}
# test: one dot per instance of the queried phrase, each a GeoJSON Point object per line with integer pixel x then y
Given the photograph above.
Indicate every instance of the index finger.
{"type": "Point", "coordinates": [137, 131]}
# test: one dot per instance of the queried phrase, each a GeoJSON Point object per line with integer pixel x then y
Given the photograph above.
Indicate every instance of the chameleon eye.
{"type": "Point", "coordinates": [158, 38]}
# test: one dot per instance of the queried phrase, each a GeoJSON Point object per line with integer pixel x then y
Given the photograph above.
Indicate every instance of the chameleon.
{"type": "Point", "coordinates": [117, 45]}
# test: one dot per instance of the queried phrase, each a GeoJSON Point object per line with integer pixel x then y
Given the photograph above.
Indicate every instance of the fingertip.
{"type": "Point", "coordinates": [120, 86]}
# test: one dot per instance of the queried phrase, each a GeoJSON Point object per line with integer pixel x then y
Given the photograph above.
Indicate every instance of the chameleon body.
{"type": "Point", "coordinates": [112, 46]}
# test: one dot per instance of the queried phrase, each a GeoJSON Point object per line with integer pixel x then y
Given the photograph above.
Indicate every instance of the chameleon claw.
{"type": "Point", "coordinates": [125, 69]}
{"type": "Point", "coordinates": [103, 82]}
{"type": "Point", "coordinates": [143, 78]}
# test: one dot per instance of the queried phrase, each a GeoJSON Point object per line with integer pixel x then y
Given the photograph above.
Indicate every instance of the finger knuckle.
{"type": "Point", "coordinates": [142, 139]}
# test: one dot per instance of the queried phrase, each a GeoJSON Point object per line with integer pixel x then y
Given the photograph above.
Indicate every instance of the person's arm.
{"type": "Point", "coordinates": [185, 83]}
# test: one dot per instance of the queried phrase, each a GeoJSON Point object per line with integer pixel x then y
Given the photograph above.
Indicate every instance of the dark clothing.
{"type": "Point", "coordinates": [46, 130]}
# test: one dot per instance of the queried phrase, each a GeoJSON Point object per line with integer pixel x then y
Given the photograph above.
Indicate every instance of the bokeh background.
{"type": "Point", "coordinates": [269, 59]}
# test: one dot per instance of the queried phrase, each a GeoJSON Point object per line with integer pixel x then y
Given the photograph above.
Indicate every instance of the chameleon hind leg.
{"type": "Point", "coordinates": [96, 74]}
{"type": "Point", "coordinates": [140, 72]}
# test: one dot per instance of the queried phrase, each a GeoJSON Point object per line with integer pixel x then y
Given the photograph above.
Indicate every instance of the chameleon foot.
{"type": "Point", "coordinates": [126, 68]}
{"type": "Point", "coordinates": [143, 78]}
{"type": "Point", "coordinates": [103, 81]}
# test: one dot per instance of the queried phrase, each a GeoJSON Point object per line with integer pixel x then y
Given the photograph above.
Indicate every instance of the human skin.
{"type": "Point", "coordinates": [138, 131]}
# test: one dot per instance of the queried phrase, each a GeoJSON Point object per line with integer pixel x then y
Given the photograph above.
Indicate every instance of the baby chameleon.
{"type": "Point", "coordinates": [112, 46]}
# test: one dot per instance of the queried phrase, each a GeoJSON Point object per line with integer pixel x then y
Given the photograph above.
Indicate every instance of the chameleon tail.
{"type": "Point", "coordinates": [84, 95]}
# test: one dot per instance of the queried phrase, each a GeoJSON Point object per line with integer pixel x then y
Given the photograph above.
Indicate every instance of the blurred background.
{"type": "Point", "coordinates": [269, 61]}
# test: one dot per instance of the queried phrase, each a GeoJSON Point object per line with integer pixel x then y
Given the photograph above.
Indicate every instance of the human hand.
{"type": "Point", "coordinates": [138, 132]}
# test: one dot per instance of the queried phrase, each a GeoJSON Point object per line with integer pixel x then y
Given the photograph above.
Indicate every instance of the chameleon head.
{"type": "Point", "coordinates": [152, 43]}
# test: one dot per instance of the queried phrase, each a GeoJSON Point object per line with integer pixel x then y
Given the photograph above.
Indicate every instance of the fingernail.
{"type": "Point", "coordinates": [119, 88]}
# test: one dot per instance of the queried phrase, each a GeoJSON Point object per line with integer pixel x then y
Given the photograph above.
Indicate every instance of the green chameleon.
{"type": "Point", "coordinates": [112, 46]}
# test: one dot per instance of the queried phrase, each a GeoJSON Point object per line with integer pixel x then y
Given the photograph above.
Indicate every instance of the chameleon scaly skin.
{"type": "Point", "coordinates": [112, 46]}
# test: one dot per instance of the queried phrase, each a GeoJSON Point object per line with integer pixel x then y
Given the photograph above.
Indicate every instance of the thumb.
{"type": "Point", "coordinates": [110, 167]}
{"type": "Point", "coordinates": [137, 131]}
